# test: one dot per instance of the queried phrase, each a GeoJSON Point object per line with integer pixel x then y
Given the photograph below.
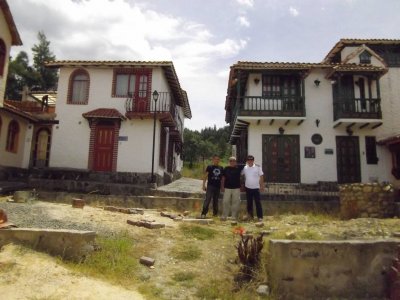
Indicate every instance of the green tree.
{"type": "Point", "coordinates": [41, 54]}
{"type": "Point", "coordinates": [20, 74]}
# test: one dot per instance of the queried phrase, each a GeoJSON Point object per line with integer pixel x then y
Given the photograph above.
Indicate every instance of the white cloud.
{"type": "Point", "coordinates": [248, 3]}
{"type": "Point", "coordinates": [243, 21]}
{"type": "Point", "coordinates": [293, 11]}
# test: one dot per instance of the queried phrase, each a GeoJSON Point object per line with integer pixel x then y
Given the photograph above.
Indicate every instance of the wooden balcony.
{"type": "Point", "coordinates": [357, 108]}
{"type": "Point", "coordinates": [145, 109]}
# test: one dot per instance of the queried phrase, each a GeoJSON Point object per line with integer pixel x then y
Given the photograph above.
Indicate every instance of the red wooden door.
{"type": "Point", "coordinates": [104, 148]}
{"type": "Point", "coordinates": [142, 102]}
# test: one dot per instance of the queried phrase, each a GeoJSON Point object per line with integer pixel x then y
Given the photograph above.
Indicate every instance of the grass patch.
{"type": "Point", "coordinates": [198, 232]}
{"type": "Point", "coordinates": [186, 252]}
{"type": "Point", "coordinates": [184, 276]}
{"type": "Point", "coordinates": [151, 291]}
{"type": "Point", "coordinates": [116, 261]}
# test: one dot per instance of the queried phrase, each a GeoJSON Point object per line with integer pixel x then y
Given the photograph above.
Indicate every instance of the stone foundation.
{"type": "Point", "coordinates": [372, 200]}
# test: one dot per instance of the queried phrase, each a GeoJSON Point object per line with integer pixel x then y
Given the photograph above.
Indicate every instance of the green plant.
{"type": "Point", "coordinates": [198, 232]}
{"type": "Point", "coordinates": [115, 261]}
{"type": "Point", "coordinates": [249, 250]}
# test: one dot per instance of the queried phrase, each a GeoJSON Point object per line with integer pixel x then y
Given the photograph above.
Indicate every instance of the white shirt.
{"type": "Point", "coordinates": [252, 175]}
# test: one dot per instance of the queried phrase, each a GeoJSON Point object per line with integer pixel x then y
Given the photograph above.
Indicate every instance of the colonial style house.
{"type": "Point", "coordinates": [116, 116]}
{"type": "Point", "coordinates": [334, 121]}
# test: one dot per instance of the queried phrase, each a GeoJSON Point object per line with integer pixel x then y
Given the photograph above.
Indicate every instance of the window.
{"type": "Point", "coordinates": [280, 86]}
{"type": "Point", "coordinates": [370, 149]}
{"type": "Point", "coordinates": [12, 137]}
{"type": "Point", "coordinates": [365, 57]}
{"type": "Point", "coordinates": [78, 87]}
{"type": "Point", "coordinates": [125, 85]}
{"type": "Point", "coordinates": [3, 56]}
{"type": "Point", "coordinates": [131, 83]}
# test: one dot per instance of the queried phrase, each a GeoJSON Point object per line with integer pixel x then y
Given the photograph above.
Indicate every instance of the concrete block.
{"type": "Point", "coordinates": [263, 290]}
{"type": "Point", "coordinates": [146, 224]}
{"type": "Point", "coordinates": [147, 261]}
{"type": "Point", "coordinates": [69, 244]}
{"type": "Point", "coordinates": [199, 221]}
{"type": "Point", "coordinates": [78, 203]}
{"type": "Point", "coordinates": [330, 269]}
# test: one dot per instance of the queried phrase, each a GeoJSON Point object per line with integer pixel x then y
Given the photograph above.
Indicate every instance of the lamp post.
{"type": "Point", "coordinates": [155, 98]}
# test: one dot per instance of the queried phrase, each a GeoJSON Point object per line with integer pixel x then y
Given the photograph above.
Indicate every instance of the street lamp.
{"type": "Point", "coordinates": [155, 98]}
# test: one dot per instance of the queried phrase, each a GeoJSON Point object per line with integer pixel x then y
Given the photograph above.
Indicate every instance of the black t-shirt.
{"type": "Point", "coordinates": [214, 175]}
{"type": "Point", "coordinates": [232, 177]}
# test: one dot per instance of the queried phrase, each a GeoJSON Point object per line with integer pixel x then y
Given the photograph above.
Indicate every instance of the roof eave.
{"type": "Point", "coordinates": [15, 38]}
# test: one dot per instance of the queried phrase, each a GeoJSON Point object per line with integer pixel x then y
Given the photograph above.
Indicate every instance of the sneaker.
{"type": "Point", "coordinates": [223, 219]}
{"type": "Point", "coordinates": [202, 216]}
{"type": "Point", "coordinates": [260, 219]}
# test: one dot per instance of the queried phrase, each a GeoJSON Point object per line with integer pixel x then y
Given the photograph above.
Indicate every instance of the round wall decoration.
{"type": "Point", "coordinates": [316, 139]}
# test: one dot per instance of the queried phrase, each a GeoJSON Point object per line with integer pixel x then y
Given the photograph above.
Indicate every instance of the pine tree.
{"type": "Point", "coordinates": [42, 54]}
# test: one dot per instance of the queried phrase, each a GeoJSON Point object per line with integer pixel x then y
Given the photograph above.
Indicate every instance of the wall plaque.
{"type": "Point", "coordinates": [316, 139]}
{"type": "Point", "coordinates": [329, 151]}
{"type": "Point", "coordinates": [309, 152]}
{"type": "Point", "coordinates": [122, 138]}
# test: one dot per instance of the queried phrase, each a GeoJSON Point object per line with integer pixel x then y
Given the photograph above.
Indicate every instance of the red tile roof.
{"type": "Point", "coordinates": [105, 113]}
{"type": "Point", "coordinates": [343, 42]}
{"type": "Point", "coordinates": [14, 110]}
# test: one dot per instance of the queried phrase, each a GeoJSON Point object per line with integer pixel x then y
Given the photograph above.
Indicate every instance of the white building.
{"type": "Point", "coordinates": [106, 111]}
{"type": "Point", "coordinates": [311, 122]}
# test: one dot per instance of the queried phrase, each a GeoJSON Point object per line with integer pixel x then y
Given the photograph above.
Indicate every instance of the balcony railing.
{"type": "Point", "coordinates": [166, 109]}
{"type": "Point", "coordinates": [135, 104]}
{"type": "Point", "coordinates": [357, 108]}
{"type": "Point", "coordinates": [270, 107]}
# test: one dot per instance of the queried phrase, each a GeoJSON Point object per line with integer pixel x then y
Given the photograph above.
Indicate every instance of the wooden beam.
{"type": "Point", "coordinates": [300, 122]}
{"type": "Point", "coordinates": [337, 125]}
{"type": "Point", "coordinates": [271, 122]}
{"type": "Point", "coordinates": [287, 122]}
{"type": "Point", "coordinates": [351, 125]}
{"type": "Point", "coordinates": [364, 125]}
{"type": "Point", "coordinates": [377, 125]}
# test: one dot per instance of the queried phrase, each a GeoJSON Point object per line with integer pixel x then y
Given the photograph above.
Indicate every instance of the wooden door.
{"type": "Point", "coordinates": [142, 102]}
{"type": "Point", "coordinates": [103, 148]}
{"type": "Point", "coordinates": [281, 158]}
{"type": "Point", "coordinates": [348, 159]}
{"type": "Point", "coordinates": [42, 148]}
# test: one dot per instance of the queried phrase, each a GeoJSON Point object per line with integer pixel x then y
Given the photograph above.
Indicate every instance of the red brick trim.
{"type": "Point", "coordinates": [70, 83]}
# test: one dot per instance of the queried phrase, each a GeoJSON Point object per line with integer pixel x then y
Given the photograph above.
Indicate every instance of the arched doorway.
{"type": "Point", "coordinates": [42, 148]}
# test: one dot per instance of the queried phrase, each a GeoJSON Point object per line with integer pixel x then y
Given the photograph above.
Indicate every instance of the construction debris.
{"type": "Point", "coordinates": [78, 203]}
{"type": "Point", "coordinates": [146, 224]}
{"type": "Point", "coordinates": [147, 261]}
{"type": "Point", "coordinates": [130, 211]}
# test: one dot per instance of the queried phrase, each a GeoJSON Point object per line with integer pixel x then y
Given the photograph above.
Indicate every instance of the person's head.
{"type": "Point", "coordinates": [250, 160]}
{"type": "Point", "coordinates": [215, 160]}
{"type": "Point", "coordinates": [232, 161]}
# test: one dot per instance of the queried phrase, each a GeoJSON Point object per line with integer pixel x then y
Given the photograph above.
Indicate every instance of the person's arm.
{"type": "Point", "coordinates": [223, 183]}
{"type": "Point", "coordinates": [262, 187]}
{"type": "Point", "coordinates": [205, 176]}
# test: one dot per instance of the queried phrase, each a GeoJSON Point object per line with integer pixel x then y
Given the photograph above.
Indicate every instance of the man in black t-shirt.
{"type": "Point", "coordinates": [230, 186]}
{"type": "Point", "coordinates": [213, 176]}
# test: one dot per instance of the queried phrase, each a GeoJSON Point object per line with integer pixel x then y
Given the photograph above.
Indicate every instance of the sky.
{"type": "Point", "coordinates": [203, 38]}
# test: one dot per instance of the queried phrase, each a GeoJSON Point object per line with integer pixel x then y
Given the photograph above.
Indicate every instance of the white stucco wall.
{"type": "Point", "coordinates": [5, 35]}
{"type": "Point", "coordinates": [21, 158]}
{"type": "Point", "coordinates": [70, 146]}
{"type": "Point", "coordinates": [319, 105]}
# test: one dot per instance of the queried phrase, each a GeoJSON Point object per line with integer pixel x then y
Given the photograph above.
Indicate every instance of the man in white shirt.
{"type": "Point", "coordinates": [254, 183]}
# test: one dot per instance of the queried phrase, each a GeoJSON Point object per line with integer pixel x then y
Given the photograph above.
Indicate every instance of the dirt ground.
{"type": "Point", "coordinates": [25, 274]}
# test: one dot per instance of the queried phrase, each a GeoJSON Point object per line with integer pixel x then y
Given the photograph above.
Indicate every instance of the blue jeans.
{"type": "Point", "coordinates": [250, 195]}
{"type": "Point", "coordinates": [211, 193]}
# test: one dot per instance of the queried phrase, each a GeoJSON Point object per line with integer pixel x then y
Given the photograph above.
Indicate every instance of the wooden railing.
{"type": "Point", "coordinates": [269, 106]}
{"type": "Point", "coordinates": [357, 108]}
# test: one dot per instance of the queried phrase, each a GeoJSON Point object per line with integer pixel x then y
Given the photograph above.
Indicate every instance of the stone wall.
{"type": "Point", "coordinates": [330, 269]}
{"type": "Point", "coordinates": [375, 200]}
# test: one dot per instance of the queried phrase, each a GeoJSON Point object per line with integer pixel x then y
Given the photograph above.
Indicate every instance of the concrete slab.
{"type": "Point", "coordinates": [198, 221]}
{"type": "Point", "coordinates": [69, 244]}
{"type": "Point", "coordinates": [330, 269]}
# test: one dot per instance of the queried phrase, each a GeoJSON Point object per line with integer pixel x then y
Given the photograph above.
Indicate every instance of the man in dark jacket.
{"type": "Point", "coordinates": [213, 176]}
